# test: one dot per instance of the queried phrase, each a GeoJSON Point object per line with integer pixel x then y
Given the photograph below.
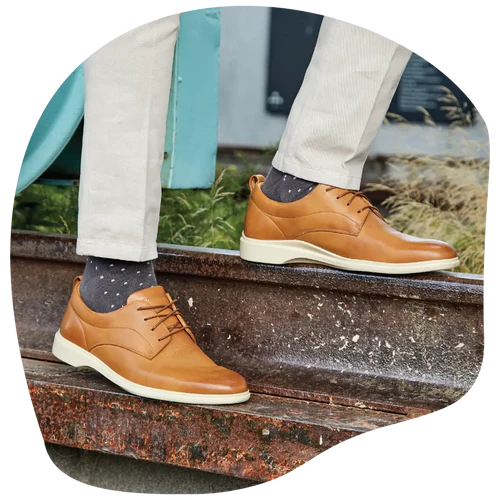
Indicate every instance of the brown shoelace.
{"type": "Point", "coordinates": [172, 329]}
{"type": "Point", "coordinates": [356, 194]}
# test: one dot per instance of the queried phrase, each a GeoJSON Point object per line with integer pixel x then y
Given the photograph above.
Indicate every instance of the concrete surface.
{"type": "Point", "coordinates": [137, 476]}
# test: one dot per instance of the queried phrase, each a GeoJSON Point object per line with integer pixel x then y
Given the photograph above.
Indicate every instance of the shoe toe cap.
{"type": "Point", "coordinates": [436, 250]}
{"type": "Point", "coordinates": [225, 381]}
{"type": "Point", "coordinates": [204, 380]}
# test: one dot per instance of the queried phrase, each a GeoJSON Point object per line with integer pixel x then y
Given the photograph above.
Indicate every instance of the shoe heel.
{"type": "Point", "coordinates": [68, 352]}
{"type": "Point", "coordinates": [264, 252]}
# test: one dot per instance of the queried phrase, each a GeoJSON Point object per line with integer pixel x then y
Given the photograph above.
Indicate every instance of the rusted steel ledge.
{"type": "Point", "coordinates": [226, 264]}
{"type": "Point", "coordinates": [260, 440]}
{"type": "Point", "coordinates": [401, 345]}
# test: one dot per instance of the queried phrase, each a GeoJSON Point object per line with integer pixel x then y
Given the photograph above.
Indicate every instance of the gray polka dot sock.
{"type": "Point", "coordinates": [106, 283]}
{"type": "Point", "coordinates": [285, 187]}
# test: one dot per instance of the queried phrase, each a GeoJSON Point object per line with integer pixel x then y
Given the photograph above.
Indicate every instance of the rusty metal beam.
{"type": "Point", "coordinates": [408, 345]}
{"type": "Point", "coordinates": [260, 440]}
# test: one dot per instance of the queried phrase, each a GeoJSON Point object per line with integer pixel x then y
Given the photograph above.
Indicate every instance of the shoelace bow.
{"type": "Point", "coordinates": [172, 329]}
{"type": "Point", "coordinates": [356, 194]}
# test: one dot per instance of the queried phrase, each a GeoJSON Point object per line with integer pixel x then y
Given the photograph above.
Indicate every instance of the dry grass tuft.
{"type": "Point", "coordinates": [443, 197]}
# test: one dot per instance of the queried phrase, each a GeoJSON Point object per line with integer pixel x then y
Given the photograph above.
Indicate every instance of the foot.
{"type": "Point", "coordinates": [336, 227]}
{"type": "Point", "coordinates": [146, 348]}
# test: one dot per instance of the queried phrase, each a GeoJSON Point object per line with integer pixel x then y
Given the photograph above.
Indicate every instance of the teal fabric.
{"type": "Point", "coordinates": [191, 138]}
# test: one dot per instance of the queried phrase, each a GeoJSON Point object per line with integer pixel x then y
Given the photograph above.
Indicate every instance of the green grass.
{"type": "Point", "coordinates": [198, 217]}
{"type": "Point", "coordinates": [206, 218]}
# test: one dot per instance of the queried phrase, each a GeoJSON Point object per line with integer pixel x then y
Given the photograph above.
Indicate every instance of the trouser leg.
{"type": "Point", "coordinates": [344, 97]}
{"type": "Point", "coordinates": [127, 86]}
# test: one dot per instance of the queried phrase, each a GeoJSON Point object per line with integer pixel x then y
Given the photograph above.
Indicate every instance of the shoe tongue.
{"type": "Point", "coordinates": [154, 294]}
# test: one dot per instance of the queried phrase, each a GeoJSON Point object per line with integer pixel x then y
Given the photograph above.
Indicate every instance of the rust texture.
{"type": "Point", "coordinates": [261, 440]}
{"type": "Point", "coordinates": [407, 345]}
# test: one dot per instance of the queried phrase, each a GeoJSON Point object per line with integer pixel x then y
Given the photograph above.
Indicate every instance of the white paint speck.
{"type": "Point", "coordinates": [346, 342]}
{"type": "Point", "coordinates": [355, 338]}
{"type": "Point", "coordinates": [190, 301]}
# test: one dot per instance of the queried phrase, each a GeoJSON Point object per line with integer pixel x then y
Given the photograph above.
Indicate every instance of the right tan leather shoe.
{"type": "Point", "coordinates": [146, 348]}
{"type": "Point", "coordinates": [336, 227]}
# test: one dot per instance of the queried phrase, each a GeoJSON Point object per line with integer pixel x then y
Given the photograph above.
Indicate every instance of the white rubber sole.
{"type": "Point", "coordinates": [301, 252]}
{"type": "Point", "coordinates": [75, 356]}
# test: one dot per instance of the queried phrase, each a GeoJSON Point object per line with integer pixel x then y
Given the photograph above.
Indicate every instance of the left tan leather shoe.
{"type": "Point", "coordinates": [336, 227]}
{"type": "Point", "coordinates": [147, 348]}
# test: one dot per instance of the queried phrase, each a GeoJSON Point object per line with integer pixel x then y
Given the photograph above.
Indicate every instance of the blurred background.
{"type": "Point", "coordinates": [427, 171]}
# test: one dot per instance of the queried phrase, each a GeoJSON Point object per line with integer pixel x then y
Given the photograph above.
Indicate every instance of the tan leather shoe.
{"type": "Point", "coordinates": [146, 348]}
{"type": "Point", "coordinates": [336, 227]}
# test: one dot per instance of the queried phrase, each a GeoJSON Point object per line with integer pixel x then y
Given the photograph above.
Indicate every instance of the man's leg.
{"type": "Point", "coordinates": [345, 95]}
{"type": "Point", "coordinates": [308, 209]}
{"type": "Point", "coordinates": [118, 321]}
{"type": "Point", "coordinates": [127, 85]}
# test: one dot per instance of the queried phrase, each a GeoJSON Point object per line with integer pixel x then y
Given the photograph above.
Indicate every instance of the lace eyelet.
{"type": "Point", "coordinates": [338, 197]}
